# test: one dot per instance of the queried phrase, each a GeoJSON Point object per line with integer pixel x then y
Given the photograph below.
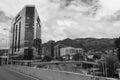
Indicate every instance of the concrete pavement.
{"type": "Point", "coordinates": [6, 74]}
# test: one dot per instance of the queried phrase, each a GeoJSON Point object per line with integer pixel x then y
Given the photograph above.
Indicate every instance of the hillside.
{"type": "Point", "coordinates": [70, 42]}
{"type": "Point", "coordinates": [96, 44]}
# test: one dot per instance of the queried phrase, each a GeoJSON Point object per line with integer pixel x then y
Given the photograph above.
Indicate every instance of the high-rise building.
{"type": "Point", "coordinates": [57, 48]}
{"type": "Point", "coordinates": [48, 48]}
{"type": "Point", "coordinates": [26, 32]}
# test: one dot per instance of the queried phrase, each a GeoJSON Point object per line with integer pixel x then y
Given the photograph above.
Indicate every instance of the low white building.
{"type": "Point", "coordinates": [70, 51]}
{"type": "Point", "coordinates": [79, 50]}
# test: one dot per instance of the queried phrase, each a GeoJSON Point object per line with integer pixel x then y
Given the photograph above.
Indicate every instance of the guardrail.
{"type": "Point", "coordinates": [71, 66]}
{"type": "Point", "coordinates": [64, 62]}
{"type": "Point", "coordinates": [23, 62]}
{"type": "Point", "coordinates": [39, 63]}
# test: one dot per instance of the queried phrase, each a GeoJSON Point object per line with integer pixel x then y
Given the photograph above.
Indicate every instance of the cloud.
{"type": "Point", "coordinates": [87, 7]}
{"type": "Point", "coordinates": [112, 18]}
{"type": "Point", "coordinates": [67, 18]}
{"type": "Point", "coordinates": [3, 17]}
{"type": "Point", "coordinates": [79, 20]}
{"type": "Point", "coordinates": [5, 23]}
{"type": "Point", "coordinates": [109, 7]}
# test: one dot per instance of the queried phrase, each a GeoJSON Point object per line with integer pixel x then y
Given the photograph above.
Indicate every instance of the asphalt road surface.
{"type": "Point", "coordinates": [6, 74]}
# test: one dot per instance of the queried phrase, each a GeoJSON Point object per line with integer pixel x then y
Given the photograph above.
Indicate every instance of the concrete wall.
{"type": "Point", "coordinates": [45, 74]}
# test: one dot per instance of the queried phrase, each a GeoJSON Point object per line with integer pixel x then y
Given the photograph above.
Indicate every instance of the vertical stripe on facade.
{"type": "Point", "coordinates": [16, 37]}
{"type": "Point", "coordinates": [19, 36]}
{"type": "Point", "coordinates": [13, 38]}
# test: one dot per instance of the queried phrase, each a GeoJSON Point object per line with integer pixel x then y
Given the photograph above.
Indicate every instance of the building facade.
{"type": "Point", "coordinates": [70, 51]}
{"type": "Point", "coordinates": [48, 48]}
{"type": "Point", "coordinates": [26, 32]}
{"type": "Point", "coordinates": [57, 50]}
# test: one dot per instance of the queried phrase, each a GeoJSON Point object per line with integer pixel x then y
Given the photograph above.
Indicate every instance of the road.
{"type": "Point", "coordinates": [6, 74]}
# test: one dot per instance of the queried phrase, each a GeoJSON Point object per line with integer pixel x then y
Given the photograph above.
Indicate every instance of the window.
{"type": "Point", "coordinates": [13, 39]}
{"type": "Point", "coordinates": [16, 37]}
{"type": "Point", "coordinates": [19, 36]}
{"type": "Point", "coordinates": [17, 17]}
{"type": "Point", "coordinates": [29, 17]}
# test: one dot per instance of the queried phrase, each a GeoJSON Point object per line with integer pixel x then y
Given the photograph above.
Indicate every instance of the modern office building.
{"type": "Point", "coordinates": [26, 32]}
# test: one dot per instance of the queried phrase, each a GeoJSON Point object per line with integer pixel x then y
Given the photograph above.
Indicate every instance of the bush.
{"type": "Point", "coordinates": [78, 57]}
{"type": "Point", "coordinates": [47, 58]}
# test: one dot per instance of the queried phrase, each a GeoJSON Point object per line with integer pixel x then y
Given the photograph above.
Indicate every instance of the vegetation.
{"type": "Point", "coordinates": [47, 58]}
{"type": "Point", "coordinates": [109, 64]}
{"type": "Point", "coordinates": [60, 59]}
{"type": "Point", "coordinates": [78, 57]}
{"type": "Point", "coordinates": [117, 45]}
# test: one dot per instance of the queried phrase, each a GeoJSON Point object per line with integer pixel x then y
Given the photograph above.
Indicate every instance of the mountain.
{"type": "Point", "coordinates": [96, 44]}
{"type": "Point", "coordinates": [70, 42]}
{"type": "Point", "coordinates": [88, 43]}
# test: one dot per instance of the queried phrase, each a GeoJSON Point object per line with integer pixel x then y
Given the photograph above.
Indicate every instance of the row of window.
{"type": "Point", "coordinates": [73, 51]}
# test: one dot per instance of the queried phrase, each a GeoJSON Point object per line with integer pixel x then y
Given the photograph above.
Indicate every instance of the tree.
{"type": "Point", "coordinates": [96, 56]}
{"type": "Point", "coordinates": [109, 64]}
{"type": "Point", "coordinates": [60, 58]}
{"type": "Point", "coordinates": [111, 60]}
{"type": "Point", "coordinates": [117, 46]}
{"type": "Point", "coordinates": [47, 58]}
{"type": "Point", "coordinates": [78, 57]}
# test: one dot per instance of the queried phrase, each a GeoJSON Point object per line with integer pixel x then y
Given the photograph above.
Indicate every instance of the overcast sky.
{"type": "Point", "coordinates": [62, 19]}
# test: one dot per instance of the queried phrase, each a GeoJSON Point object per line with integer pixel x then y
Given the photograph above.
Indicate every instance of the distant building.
{"type": "Point", "coordinates": [79, 50]}
{"type": "Point", "coordinates": [26, 32]}
{"type": "Point", "coordinates": [44, 53]}
{"type": "Point", "coordinates": [2, 51]}
{"type": "Point", "coordinates": [48, 48]}
{"type": "Point", "coordinates": [67, 51]}
{"type": "Point", "coordinates": [57, 50]}
{"type": "Point", "coordinates": [70, 51]}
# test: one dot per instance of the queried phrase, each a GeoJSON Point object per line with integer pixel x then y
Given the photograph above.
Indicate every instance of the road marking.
{"type": "Point", "coordinates": [24, 74]}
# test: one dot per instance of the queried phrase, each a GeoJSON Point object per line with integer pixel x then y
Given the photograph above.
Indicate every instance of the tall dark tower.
{"type": "Point", "coordinates": [26, 33]}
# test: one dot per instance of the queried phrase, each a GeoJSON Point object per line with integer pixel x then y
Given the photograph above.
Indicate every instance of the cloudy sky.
{"type": "Point", "coordinates": [61, 19]}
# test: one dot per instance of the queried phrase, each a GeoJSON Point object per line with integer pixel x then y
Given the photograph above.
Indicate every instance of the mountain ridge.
{"type": "Point", "coordinates": [98, 44]}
